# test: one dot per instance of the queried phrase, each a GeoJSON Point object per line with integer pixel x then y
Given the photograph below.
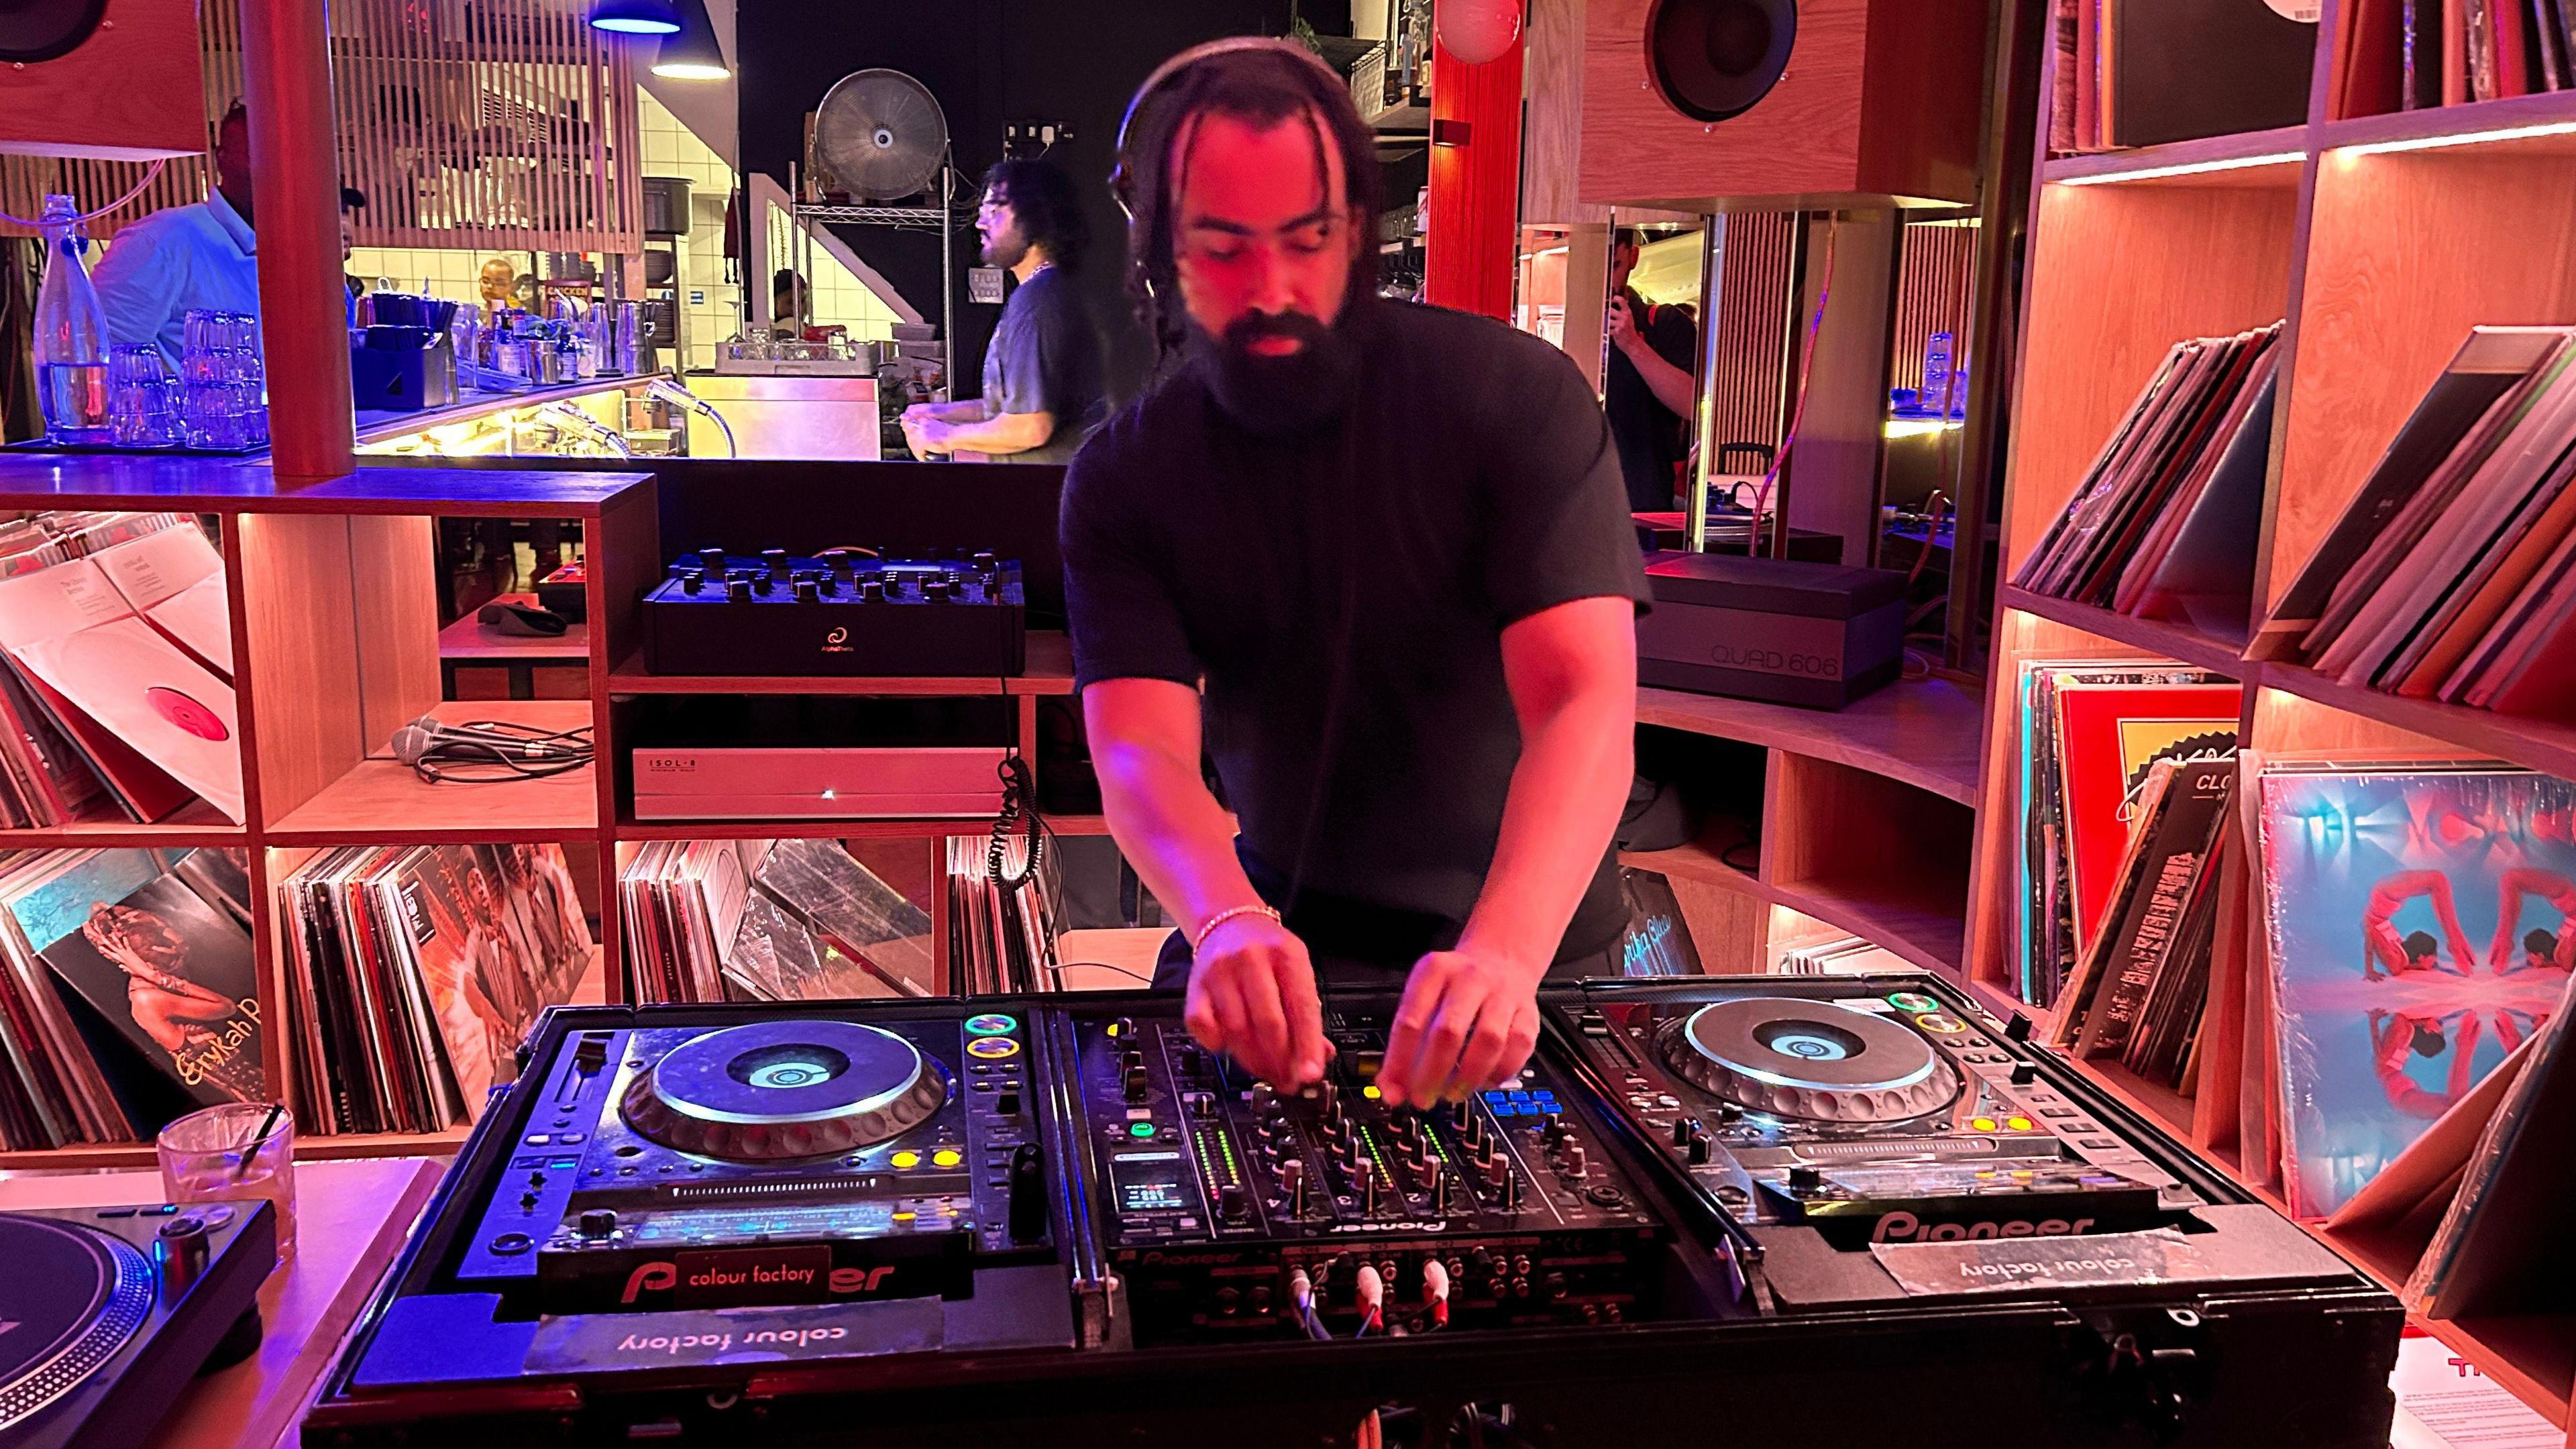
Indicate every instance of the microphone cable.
{"type": "Point", "coordinates": [480, 752]}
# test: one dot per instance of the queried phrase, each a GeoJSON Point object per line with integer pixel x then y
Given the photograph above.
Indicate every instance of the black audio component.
{"type": "Point", "coordinates": [109, 1312]}
{"type": "Point", "coordinates": [842, 613]}
{"type": "Point", "coordinates": [1671, 1208]}
{"type": "Point", "coordinates": [1230, 1209]}
{"type": "Point", "coordinates": [1868, 1139]}
{"type": "Point", "coordinates": [785, 1161]}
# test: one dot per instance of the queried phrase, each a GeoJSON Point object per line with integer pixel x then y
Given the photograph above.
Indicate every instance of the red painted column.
{"type": "Point", "coordinates": [295, 198]}
{"type": "Point", "coordinates": [1475, 182]}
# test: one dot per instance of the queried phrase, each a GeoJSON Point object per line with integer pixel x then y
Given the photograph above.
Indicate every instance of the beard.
{"type": "Point", "coordinates": [1295, 392]}
{"type": "Point", "coordinates": [1005, 248]}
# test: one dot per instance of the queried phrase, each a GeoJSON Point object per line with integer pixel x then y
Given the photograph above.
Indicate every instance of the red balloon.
{"type": "Point", "coordinates": [1476, 31]}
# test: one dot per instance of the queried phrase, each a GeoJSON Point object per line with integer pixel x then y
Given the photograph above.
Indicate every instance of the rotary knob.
{"type": "Point", "coordinates": [775, 560]}
{"type": "Point", "coordinates": [1233, 1203]}
{"type": "Point", "coordinates": [712, 560]}
{"type": "Point", "coordinates": [738, 590]}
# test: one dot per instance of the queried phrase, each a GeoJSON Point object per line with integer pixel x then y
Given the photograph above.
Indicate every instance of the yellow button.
{"type": "Point", "coordinates": [903, 1217]}
{"type": "Point", "coordinates": [1982, 1124]}
{"type": "Point", "coordinates": [905, 1159]}
{"type": "Point", "coordinates": [1370, 1091]}
{"type": "Point", "coordinates": [2018, 1124]}
{"type": "Point", "coordinates": [947, 1157]}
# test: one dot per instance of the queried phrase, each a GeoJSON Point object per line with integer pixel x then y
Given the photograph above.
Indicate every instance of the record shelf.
{"type": "Point", "coordinates": [2381, 240]}
{"type": "Point", "coordinates": [334, 618]}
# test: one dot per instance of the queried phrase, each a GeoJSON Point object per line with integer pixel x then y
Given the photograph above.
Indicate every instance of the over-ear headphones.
{"type": "Point", "coordinates": [1122, 180]}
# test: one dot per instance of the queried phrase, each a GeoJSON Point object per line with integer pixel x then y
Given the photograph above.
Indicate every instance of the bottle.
{"type": "Point", "coordinates": [71, 336]}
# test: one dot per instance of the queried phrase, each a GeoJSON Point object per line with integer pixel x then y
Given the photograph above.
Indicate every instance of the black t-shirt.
{"type": "Point", "coordinates": [1045, 358]}
{"type": "Point", "coordinates": [1471, 484]}
{"type": "Point", "coordinates": [1652, 438]}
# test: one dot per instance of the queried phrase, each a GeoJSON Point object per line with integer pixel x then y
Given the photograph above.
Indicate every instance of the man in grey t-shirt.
{"type": "Point", "coordinates": [1042, 392]}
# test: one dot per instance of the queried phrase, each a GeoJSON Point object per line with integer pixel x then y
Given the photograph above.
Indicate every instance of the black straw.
{"type": "Point", "coordinates": [250, 1149]}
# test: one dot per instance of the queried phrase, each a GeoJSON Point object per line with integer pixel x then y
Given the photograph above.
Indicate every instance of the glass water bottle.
{"type": "Point", "coordinates": [71, 336]}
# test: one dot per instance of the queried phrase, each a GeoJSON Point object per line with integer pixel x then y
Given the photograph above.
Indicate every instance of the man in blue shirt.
{"type": "Point", "coordinates": [1042, 387]}
{"type": "Point", "coordinates": [185, 257]}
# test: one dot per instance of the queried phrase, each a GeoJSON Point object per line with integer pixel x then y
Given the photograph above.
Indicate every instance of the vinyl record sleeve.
{"type": "Point", "coordinates": [2107, 736]}
{"type": "Point", "coordinates": [167, 707]}
{"type": "Point", "coordinates": [172, 974]}
{"type": "Point", "coordinates": [2417, 931]}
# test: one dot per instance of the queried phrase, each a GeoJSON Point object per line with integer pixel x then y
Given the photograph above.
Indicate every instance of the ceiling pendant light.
{"type": "Point", "coordinates": [693, 53]}
{"type": "Point", "coordinates": [635, 17]}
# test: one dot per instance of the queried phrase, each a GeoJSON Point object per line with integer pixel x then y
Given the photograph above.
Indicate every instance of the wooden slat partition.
{"type": "Point", "coordinates": [509, 125]}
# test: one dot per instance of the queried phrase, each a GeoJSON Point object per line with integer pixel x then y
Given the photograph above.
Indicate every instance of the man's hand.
{"type": "Point", "coordinates": [1252, 996]}
{"type": "Point", "coordinates": [923, 436]}
{"type": "Point", "coordinates": [1467, 1021]}
{"type": "Point", "coordinates": [1623, 327]}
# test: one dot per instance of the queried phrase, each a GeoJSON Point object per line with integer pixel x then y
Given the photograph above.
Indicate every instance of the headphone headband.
{"type": "Point", "coordinates": [1196, 53]}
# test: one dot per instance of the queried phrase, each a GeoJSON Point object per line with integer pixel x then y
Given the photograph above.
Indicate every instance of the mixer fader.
{"type": "Point", "coordinates": [1233, 1208]}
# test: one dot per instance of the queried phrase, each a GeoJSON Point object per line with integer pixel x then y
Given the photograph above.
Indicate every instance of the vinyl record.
{"type": "Point", "coordinates": [157, 700]}
{"type": "Point", "coordinates": [34, 30]}
{"type": "Point", "coordinates": [75, 1299]}
{"type": "Point", "coordinates": [1713, 60]}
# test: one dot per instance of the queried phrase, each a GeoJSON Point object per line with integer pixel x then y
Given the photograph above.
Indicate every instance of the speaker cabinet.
{"type": "Point", "coordinates": [1730, 105]}
{"type": "Point", "coordinates": [109, 79]}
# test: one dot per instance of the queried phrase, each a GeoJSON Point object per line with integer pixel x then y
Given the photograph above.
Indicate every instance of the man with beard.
{"type": "Point", "coordinates": [1391, 544]}
{"type": "Point", "coordinates": [1042, 393]}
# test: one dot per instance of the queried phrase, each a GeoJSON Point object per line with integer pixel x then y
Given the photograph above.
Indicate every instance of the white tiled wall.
{"type": "Point", "coordinates": [712, 291]}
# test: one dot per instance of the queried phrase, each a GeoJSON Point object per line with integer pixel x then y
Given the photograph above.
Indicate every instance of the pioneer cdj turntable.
{"type": "Point", "coordinates": [108, 1312]}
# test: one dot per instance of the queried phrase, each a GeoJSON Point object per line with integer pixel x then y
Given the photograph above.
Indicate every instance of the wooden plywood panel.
{"type": "Point", "coordinates": [1802, 138]}
{"type": "Point", "coordinates": [2408, 252]}
{"type": "Point", "coordinates": [131, 89]}
{"type": "Point", "coordinates": [1726, 925]}
{"type": "Point", "coordinates": [395, 589]}
{"type": "Point", "coordinates": [1871, 104]}
{"type": "Point", "coordinates": [1552, 122]}
{"type": "Point", "coordinates": [299, 612]}
{"type": "Point", "coordinates": [2118, 275]}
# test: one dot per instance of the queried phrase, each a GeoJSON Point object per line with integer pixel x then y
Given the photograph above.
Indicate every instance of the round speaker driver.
{"type": "Point", "coordinates": [1713, 60]}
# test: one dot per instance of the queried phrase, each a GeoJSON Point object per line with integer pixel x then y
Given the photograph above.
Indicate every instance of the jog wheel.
{"type": "Point", "coordinates": [776, 1091]}
{"type": "Point", "coordinates": [75, 1298]}
{"type": "Point", "coordinates": [1813, 1060]}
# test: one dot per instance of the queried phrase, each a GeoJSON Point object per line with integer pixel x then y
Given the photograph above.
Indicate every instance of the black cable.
{"type": "Point", "coordinates": [1019, 809]}
{"type": "Point", "coordinates": [497, 761]}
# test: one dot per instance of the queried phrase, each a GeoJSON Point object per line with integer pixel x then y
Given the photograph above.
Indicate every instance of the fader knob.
{"type": "Point", "coordinates": [1570, 1162]}
{"type": "Point", "coordinates": [1364, 1178]}
{"type": "Point", "coordinates": [1329, 1098]}
{"type": "Point", "coordinates": [1440, 1201]}
{"type": "Point", "coordinates": [1682, 1131]}
{"type": "Point", "coordinates": [1696, 1151]}
{"type": "Point", "coordinates": [1135, 1084]}
{"type": "Point", "coordinates": [1292, 1176]}
{"type": "Point", "coordinates": [2023, 1074]}
{"type": "Point", "coordinates": [1805, 1179]}
{"type": "Point", "coordinates": [598, 1222]}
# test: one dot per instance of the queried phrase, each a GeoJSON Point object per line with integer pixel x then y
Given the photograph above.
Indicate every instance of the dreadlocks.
{"type": "Point", "coordinates": [1263, 85]}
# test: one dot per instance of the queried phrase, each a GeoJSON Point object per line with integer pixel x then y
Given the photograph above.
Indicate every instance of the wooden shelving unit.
{"type": "Point", "coordinates": [2381, 240]}
{"type": "Point", "coordinates": [335, 635]}
{"type": "Point", "coordinates": [1867, 813]}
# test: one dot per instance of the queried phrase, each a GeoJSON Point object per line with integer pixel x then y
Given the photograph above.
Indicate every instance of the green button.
{"type": "Point", "coordinates": [1140, 1129]}
{"type": "Point", "coordinates": [991, 1024]}
{"type": "Point", "coordinates": [1913, 1001]}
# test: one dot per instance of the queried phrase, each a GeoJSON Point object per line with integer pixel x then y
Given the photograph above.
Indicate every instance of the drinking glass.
{"type": "Point", "coordinates": [219, 366]}
{"type": "Point", "coordinates": [143, 399]}
{"type": "Point", "coordinates": [219, 1155]}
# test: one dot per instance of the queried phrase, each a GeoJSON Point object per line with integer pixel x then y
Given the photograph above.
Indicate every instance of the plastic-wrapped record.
{"type": "Point", "coordinates": [780, 1090]}
{"type": "Point", "coordinates": [1811, 1059]}
{"type": "Point", "coordinates": [75, 1299]}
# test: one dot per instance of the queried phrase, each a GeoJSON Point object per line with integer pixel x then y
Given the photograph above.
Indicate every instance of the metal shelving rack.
{"type": "Point", "coordinates": [941, 219]}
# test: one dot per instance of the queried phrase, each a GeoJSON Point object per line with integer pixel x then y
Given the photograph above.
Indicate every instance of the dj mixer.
{"type": "Point", "coordinates": [1231, 1208]}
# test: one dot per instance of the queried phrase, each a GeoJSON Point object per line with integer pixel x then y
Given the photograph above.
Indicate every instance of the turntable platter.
{"type": "Point", "coordinates": [1811, 1059]}
{"type": "Point", "coordinates": [75, 1298]}
{"type": "Point", "coordinates": [781, 1090]}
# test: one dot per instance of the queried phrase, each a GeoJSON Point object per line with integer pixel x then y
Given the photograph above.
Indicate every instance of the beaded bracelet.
{"type": "Point", "coordinates": [1220, 918]}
